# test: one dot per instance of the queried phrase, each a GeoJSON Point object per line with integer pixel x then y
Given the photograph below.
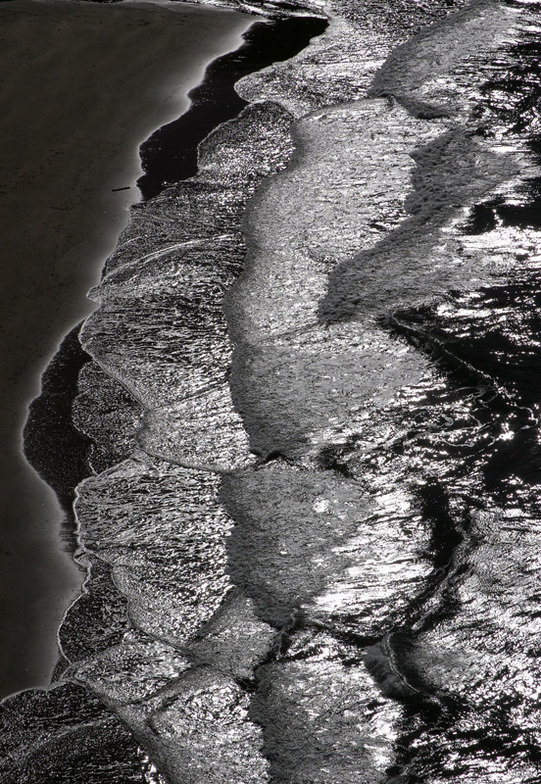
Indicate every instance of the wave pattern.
{"type": "Point", "coordinates": [325, 527]}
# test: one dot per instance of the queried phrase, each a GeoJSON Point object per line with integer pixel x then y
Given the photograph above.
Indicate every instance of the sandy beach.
{"type": "Point", "coordinates": [83, 86]}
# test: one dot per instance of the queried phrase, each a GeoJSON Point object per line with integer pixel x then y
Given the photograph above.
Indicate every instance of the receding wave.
{"type": "Point", "coordinates": [318, 524]}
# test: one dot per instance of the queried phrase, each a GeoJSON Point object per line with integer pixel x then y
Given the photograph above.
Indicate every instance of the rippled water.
{"type": "Point", "coordinates": [388, 526]}
{"type": "Point", "coordinates": [441, 550]}
{"type": "Point", "coordinates": [473, 638]}
{"type": "Point", "coordinates": [328, 536]}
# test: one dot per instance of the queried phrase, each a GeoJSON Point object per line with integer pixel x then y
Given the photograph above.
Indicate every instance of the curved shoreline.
{"type": "Point", "coordinates": [65, 151]}
{"type": "Point", "coordinates": [359, 582]}
{"type": "Point", "coordinates": [327, 540]}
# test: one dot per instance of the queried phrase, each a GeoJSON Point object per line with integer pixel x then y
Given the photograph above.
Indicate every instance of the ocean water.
{"type": "Point", "coordinates": [323, 505]}
{"type": "Point", "coordinates": [406, 367]}
{"type": "Point", "coordinates": [69, 153]}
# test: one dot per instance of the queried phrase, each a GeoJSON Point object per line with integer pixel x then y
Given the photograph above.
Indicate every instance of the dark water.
{"type": "Point", "coordinates": [468, 644]}
{"type": "Point", "coordinates": [55, 229]}
{"type": "Point", "coordinates": [52, 445]}
{"type": "Point", "coordinates": [485, 498]}
{"type": "Point", "coordinates": [170, 154]}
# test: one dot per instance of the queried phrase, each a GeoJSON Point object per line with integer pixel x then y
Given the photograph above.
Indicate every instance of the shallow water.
{"type": "Point", "coordinates": [369, 609]}
{"type": "Point", "coordinates": [406, 364]}
{"type": "Point", "coordinates": [69, 163]}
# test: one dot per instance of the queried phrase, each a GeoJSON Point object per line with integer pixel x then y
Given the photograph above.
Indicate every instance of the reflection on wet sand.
{"type": "Point", "coordinates": [83, 85]}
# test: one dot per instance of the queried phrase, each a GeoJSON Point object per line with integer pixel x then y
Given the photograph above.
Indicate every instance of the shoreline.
{"type": "Point", "coordinates": [61, 217]}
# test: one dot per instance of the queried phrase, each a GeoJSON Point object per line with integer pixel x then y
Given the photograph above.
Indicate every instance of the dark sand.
{"type": "Point", "coordinates": [82, 86]}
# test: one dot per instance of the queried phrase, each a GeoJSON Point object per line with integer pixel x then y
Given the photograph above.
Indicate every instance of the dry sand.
{"type": "Point", "coordinates": [82, 86]}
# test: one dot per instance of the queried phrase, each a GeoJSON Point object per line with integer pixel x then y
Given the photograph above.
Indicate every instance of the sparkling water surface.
{"type": "Point", "coordinates": [323, 507]}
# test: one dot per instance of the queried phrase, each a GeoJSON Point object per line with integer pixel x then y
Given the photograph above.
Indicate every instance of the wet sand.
{"type": "Point", "coordinates": [83, 85]}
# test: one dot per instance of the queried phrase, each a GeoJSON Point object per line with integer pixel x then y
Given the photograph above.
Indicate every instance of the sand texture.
{"type": "Point", "coordinates": [83, 85]}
